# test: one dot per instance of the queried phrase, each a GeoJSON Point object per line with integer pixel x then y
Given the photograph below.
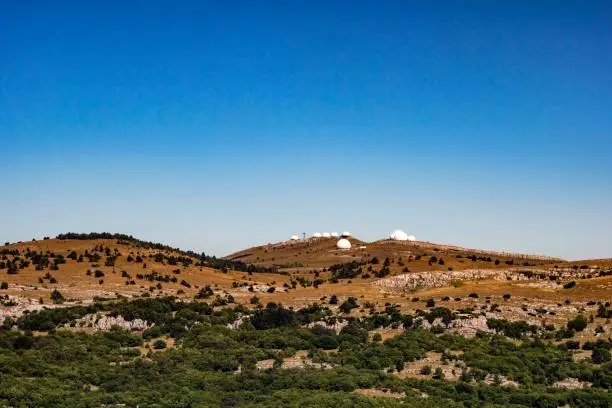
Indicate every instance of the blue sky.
{"type": "Point", "coordinates": [215, 126]}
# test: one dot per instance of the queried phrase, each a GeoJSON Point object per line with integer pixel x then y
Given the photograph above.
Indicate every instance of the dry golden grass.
{"type": "Point", "coordinates": [317, 254]}
{"type": "Point", "coordinates": [74, 283]}
{"type": "Point", "coordinates": [585, 290]}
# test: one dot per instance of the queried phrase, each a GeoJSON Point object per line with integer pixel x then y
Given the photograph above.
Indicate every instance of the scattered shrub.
{"type": "Point", "coordinates": [600, 355]}
{"type": "Point", "coordinates": [579, 323]}
{"type": "Point", "coordinates": [57, 297]}
{"type": "Point", "coordinates": [570, 285]}
{"type": "Point", "coordinates": [348, 305]}
{"type": "Point", "coordinates": [159, 345]}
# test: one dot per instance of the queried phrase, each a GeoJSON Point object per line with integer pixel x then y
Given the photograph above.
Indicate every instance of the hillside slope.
{"type": "Point", "coordinates": [405, 256]}
{"type": "Point", "coordinates": [84, 268]}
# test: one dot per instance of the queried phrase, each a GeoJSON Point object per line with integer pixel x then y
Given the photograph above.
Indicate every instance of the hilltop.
{"type": "Point", "coordinates": [84, 266]}
{"type": "Point", "coordinates": [314, 254]}
{"type": "Point", "coordinates": [427, 268]}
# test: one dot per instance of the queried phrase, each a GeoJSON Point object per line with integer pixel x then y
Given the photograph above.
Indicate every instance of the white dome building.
{"type": "Point", "coordinates": [317, 235]}
{"type": "Point", "coordinates": [335, 235]}
{"type": "Point", "coordinates": [345, 234]}
{"type": "Point", "coordinates": [411, 238]}
{"type": "Point", "coordinates": [326, 235]}
{"type": "Point", "coordinates": [398, 235]}
{"type": "Point", "coordinates": [295, 237]}
{"type": "Point", "coordinates": [343, 244]}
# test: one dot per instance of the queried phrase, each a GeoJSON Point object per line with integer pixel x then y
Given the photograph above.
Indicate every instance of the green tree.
{"type": "Point", "coordinates": [57, 297]}
{"type": "Point", "coordinates": [438, 374]}
{"type": "Point", "coordinates": [600, 355]}
{"type": "Point", "coordinates": [348, 305]}
{"type": "Point", "coordinates": [579, 323]}
{"type": "Point", "coordinates": [159, 344]}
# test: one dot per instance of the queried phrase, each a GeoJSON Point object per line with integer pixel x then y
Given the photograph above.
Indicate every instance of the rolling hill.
{"type": "Point", "coordinates": [100, 265]}
{"type": "Point", "coordinates": [320, 253]}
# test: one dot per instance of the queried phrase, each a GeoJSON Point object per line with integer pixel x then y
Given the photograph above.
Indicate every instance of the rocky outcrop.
{"type": "Point", "coordinates": [260, 288]}
{"type": "Point", "coordinates": [435, 279]}
{"type": "Point", "coordinates": [336, 325]}
{"type": "Point", "coordinates": [549, 278]}
{"type": "Point", "coordinates": [299, 360]}
{"type": "Point", "coordinates": [501, 380]}
{"type": "Point", "coordinates": [20, 306]}
{"type": "Point", "coordinates": [105, 322]}
{"type": "Point", "coordinates": [465, 327]}
{"type": "Point", "coordinates": [572, 384]}
{"type": "Point", "coordinates": [236, 324]}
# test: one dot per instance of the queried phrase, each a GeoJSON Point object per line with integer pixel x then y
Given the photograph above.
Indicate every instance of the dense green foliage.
{"type": "Point", "coordinates": [516, 330]}
{"type": "Point", "coordinates": [209, 365]}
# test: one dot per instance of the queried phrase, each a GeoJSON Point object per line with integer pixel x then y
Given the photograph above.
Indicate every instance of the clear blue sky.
{"type": "Point", "coordinates": [213, 126]}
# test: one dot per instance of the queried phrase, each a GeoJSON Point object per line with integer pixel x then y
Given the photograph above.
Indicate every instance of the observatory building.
{"type": "Point", "coordinates": [317, 235]}
{"type": "Point", "coordinates": [345, 234]}
{"type": "Point", "coordinates": [295, 238]}
{"type": "Point", "coordinates": [399, 235]}
{"type": "Point", "coordinates": [343, 243]}
{"type": "Point", "coordinates": [326, 235]}
{"type": "Point", "coordinates": [335, 235]}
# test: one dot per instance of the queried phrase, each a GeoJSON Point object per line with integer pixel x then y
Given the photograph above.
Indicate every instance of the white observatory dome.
{"type": "Point", "coordinates": [335, 234]}
{"type": "Point", "coordinates": [326, 235]}
{"type": "Point", "coordinates": [295, 238]}
{"type": "Point", "coordinates": [345, 234]}
{"type": "Point", "coordinates": [398, 235]}
{"type": "Point", "coordinates": [343, 244]}
{"type": "Point", "coordinates": [411, 238]}
{"type": "Point", "coordinates": [317, 235]}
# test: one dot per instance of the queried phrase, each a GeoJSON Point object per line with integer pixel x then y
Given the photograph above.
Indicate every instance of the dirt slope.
{"type": "Point", "coordinates": [136, 270]}
{"type": "Point", "coordinates": [405, 256]}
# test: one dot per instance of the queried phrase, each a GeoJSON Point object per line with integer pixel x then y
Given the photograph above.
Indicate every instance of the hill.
{"type": "Point", "coordinates": [406, 256]}
{"type": "Point", "coordinates": [84, 266]}
{"type": "Point", "coordinates": [409, 273]}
